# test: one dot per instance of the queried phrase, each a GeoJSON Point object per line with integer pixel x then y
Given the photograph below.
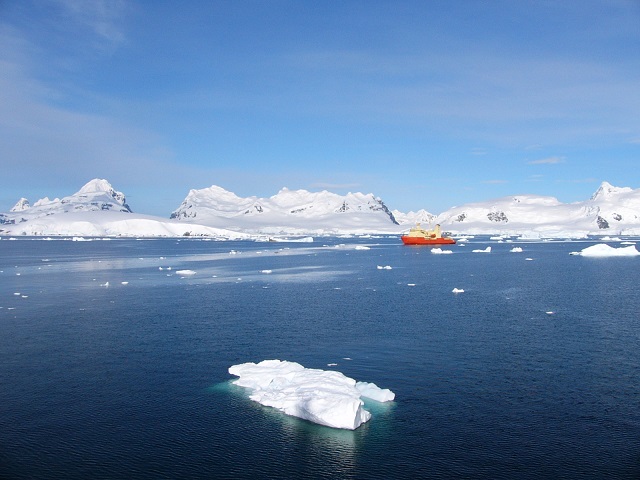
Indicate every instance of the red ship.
{"type": "Point", "coordinates": [420, 236]}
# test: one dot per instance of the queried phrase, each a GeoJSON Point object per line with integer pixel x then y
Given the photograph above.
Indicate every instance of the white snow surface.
{"type": "Point", "coordinates": [97, 210]}
{"type": "Point", "coordinates": [611, 212]}
{"type": "Point", "coordinates": [604, 250]}
{"type": "Point", "coordinates": [320, 396]}
{"type": "Point", "coordinates": [289, 211]}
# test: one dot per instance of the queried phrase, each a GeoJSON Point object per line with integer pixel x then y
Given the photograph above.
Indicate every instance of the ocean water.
{"type": "Point", "coordinates": [532, 372]}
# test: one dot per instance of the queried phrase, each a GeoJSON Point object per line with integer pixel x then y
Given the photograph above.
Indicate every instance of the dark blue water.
{"type": "Point", "coordinates": [130, 380]}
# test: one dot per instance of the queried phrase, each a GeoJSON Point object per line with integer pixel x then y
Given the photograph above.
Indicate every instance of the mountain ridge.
{"type": "Point", "coordinates": [216, 211]}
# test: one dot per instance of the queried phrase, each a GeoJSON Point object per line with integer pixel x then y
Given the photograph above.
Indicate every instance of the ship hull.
{"type": "Point", "coordinates": [427, 241]}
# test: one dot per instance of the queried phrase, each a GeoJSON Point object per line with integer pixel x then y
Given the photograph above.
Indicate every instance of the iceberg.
{"type": "Point", "coordinates": [439, 251]}
{"type": "Point", "coordinates": [604, 250]}
{"type": "Point", "coordinates": [486, 250]}
{"type": "Point", "coordinates": [320, 396]}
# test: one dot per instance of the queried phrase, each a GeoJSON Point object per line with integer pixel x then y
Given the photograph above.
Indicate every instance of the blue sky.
{"type": "Point", "coordinates": [427, 104]}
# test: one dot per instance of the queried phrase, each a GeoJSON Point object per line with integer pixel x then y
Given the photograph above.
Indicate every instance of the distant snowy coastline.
{"type": "Point", "coordinates": [97, 209]}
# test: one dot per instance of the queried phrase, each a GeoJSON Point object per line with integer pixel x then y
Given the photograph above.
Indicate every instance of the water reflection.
{"type": "Point", "coordinates": [317, 448]}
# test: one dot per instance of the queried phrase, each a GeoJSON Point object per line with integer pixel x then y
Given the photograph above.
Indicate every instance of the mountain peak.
{"type": "Point", "coordinates": [99, 188]}
{"type": "Point", "coordinates": [21, 205]}
{"type": "Point", "coordinates": [96, 185]}
{"type": "Point", "coordinates": [293, 210]}
{"type": "Point", "coordinates": [606, 190]}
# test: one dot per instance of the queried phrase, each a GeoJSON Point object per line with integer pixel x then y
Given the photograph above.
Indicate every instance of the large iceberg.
{"type": "Point", "coordinates": [604, 250]}
{"type": "Point", "coordinates": [320, 396]}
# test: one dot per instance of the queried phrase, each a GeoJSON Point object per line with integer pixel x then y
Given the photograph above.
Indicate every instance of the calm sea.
{"type": "Point", "coordinates": [114, 366]}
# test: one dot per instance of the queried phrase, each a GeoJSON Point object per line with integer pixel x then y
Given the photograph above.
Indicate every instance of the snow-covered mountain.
{"type": "Point", "coordinates": [289, 211]}
{"type": "Point", "coordinates": [96, 195]}
{"type": "Point", "coordinates": [411, 218]}
{"type": "Point", "coordinates": [97, 209]}
{"type": "Point", "coordinates": [610, 210]}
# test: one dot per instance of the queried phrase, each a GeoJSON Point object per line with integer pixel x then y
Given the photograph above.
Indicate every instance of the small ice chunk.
{"type": "Point", "coordinates": [457, 290]}
{"type": "Point", "coordinates": [362, 247]}
{"type": "Point", "coordinates": [124, 283]}
{"type": "Point", "coordinates": [386, 267]}
{"type": "Point", "coordinates": [105, 284]}
{"type": "Point", "coordinates": [185, 272]}
{"type": "Point", "coordinates": [516, 250]}
{"type": "Point", "coordinates": [320, 396]}
{"type": "Point", "coordinates": [486, 250]}
{"type": "Point", "coordinates": [411, 284]}
{"type": "Point", "coordinates": [439, 251]}
{"type": "Point", "coordinates": [266, 271]}
{"type": "Point", "coordinates": [372, 391]}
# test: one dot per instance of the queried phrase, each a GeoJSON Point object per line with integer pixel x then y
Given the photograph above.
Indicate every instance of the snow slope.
{"type": "Point", "coordinates": [610, 210]}
{"type": "Point", "coordinates": [289, 211]}
{"type": "Point", "coordinates": [97, 209]}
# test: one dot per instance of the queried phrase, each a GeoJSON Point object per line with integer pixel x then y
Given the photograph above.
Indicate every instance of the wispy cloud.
{"type": "Point", "coordinates": [478, 151]}
{"type": "Point", "coordinates": [495, 182]}
{"type": "Point", "coordinates": [547, 161]}
{"type": "Point", "coordinates": [102, 17]}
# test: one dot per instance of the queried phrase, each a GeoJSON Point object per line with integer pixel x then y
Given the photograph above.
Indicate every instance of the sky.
{"type": "Point", "coordinates": [425, 104]}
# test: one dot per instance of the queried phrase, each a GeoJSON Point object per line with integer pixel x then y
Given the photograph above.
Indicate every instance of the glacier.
{"type": "Point", "coordinates": [324, 397]}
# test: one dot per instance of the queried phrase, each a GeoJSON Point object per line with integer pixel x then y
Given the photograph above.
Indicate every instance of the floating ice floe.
{"type": "Point", "coordinates": [439, 251]}
{"type": "Point", "coordinates": [320, 396]}
{"type": "Point", "coordinates": [266, 271]}
{"type": "Point", "coordinates": [386, 267]}
{"type": "Point", "coordinates": [457, 290]}
{"type": "Point", "coordinates": [185, 272]}
{"type": "Point", "coordinates": [516, 250]}
{"type": "Point", "coordinates": [362, 247]}
{"type": "Point", "coordinates": [604, 250]}
{"type": "Point", "coordinates": [486, 250]}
